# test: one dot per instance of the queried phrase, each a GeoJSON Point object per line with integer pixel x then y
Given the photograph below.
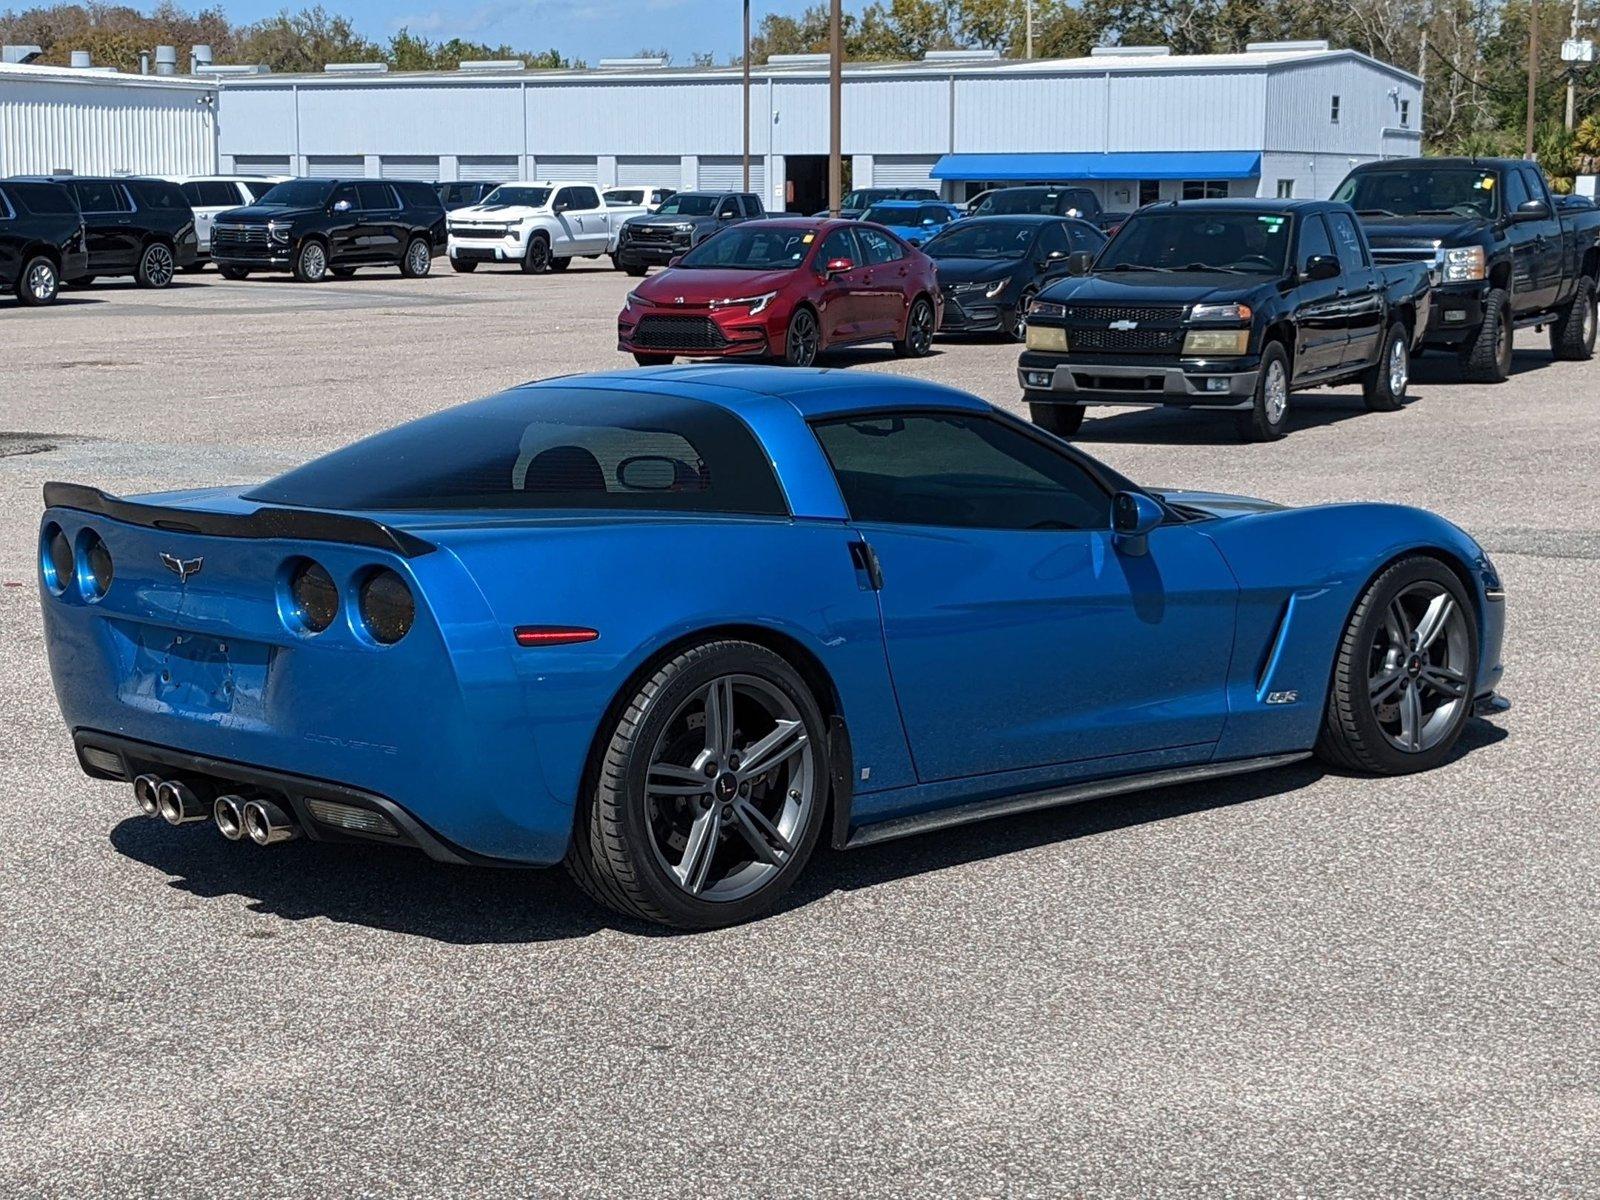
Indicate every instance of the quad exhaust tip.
{"type": "Point", "coordinates": [144, 793]}
{"type": "Point", "coordinates": [267, 824]}
{"type": "Point", "coordinates": [228, 813]}
{"type": "Point", "coordinates": [179, 805]}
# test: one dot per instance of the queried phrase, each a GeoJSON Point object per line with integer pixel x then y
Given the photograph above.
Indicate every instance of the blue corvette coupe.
{"type": "Point", "coordinates": [914, 221]}
{"type": "Point", "coordinates": [673, 626]}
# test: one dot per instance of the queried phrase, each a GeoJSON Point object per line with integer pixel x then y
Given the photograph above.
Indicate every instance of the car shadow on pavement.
{"type": "Point", "coordinates": [402, 891]}
{"type": "Point", "coordinates": [1181, 427]}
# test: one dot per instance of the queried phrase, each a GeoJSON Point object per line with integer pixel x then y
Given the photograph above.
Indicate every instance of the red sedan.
{"type": "Point", "coordinates": [789, 289]}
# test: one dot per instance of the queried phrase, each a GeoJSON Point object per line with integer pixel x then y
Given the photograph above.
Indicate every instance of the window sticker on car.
{"type": "Point", "coordinates": [1273, 224]}
{"type": "Point", "coordinates": [1486, 183]}
{"type": "Point", "coordinates": [809, 238]}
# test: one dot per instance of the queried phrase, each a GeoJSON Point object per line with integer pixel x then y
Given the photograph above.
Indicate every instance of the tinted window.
{"type": "Point", "coordinates": [891, 212]}
{"type": "Point", "coordinates": [752, 205]}
{"type": "Point", "coordinates": [585, 197]}
{"type": "Point", "coordinates": [879, 247]}
{"type": "Point", "coordinates": [258, 188]}
{"type": "Point", "coordinates": [375, 197]}
{"type": "Point", "coordinates": [983, 239]}
{"type": "Point", "coordinates": [958, 470]}
{"type": "Point", "coordinates": [729, 207]}
{"type": "Point", "coordinates": [7, 210]}
{"type": "Point", "coordinates": [1176, 239]}
{"type": "Point", "coordinates": [839, 244]}
{"type": "Point", "coordinates": [99, 196]}
{"type": "Point", "coordinates": [211, 193]}
{"type": "Point", "coordinates": [1516, 190]}
{"type": "Point", "coordinates": [345, 193]}
{"type": "Point", "coordinates": [933, 214]}
{"type": "Point", "coordinates": [1010, 201]}
{"type": "Point", "coordinates": [1536, 186]}
{"type": "Point", "coordinates": [1347, 242]}
{"type": "Point", "coordinates": [159, 194]}
{"type": "Point", "coordinates": [747, 249]}
{"type": "Point", "coordinates": [689, 204]}
{"type": "Point", "coordinates": [1053, 241]}
{"type": "Point", "coordinates": [1085, 237]}
{"type": "Point", "coordinates": [1465, 191]}
{"type": "Point", "coordinates": [304, 193]}
{"type": "Point", "coordinates": [41, 198]}
{"type": "Point", "coordinates": [1314, 241]}
{"type": "Point", "coordinates": [618, 197]}
{"type": "Point", "coordinates": [511, 193]}
{"type": "Point", "coordinates": [543, 448]}
{"type": "Point", "coordinates": [414, 194]}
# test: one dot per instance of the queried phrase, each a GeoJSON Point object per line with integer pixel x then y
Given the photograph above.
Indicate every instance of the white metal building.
{"type": "Point", "coordinates": [89, 121]}
{"type": "Point", "coordinates": [1138, 124]}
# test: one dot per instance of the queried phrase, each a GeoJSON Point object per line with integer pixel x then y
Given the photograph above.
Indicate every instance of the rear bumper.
{"type": "Point", "coordinates": [1220, 384]}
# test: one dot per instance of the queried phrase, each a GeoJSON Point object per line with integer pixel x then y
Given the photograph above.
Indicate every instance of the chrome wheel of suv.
{"type": "Point", "coordinates": [419, 259]}
{"type": "Point", "coordinates": [311, 264]}
{"type": "Point", "coordinates": [156, 266]}
{"type": "Point", "coordinates": [39, 283]}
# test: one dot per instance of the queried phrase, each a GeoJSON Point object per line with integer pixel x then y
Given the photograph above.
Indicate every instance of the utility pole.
{"type": "Point", "coordinates": [747, 97]}
{"type": "Point", "coordinates": [1572, 74]}
{"type": "Point", "coordinates": [835, 91]}
{"type": "Point", "coordinates": [1028, 9]}
{"type": "Point", "coordinates": [1533, 72]}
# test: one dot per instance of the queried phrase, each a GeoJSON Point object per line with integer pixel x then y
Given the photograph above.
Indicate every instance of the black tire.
{"type": "Point", "coordinates": [1063, 420]}
{"type": "Point", "coordinates": [465, 266]}
{"type": "Point", "coordinates": [39, 281]}
{"type": "Point", "coordinates": [1351, 737]}
{"type": "Point", "coordinates": [417, 261]}
{"type": "Point", "coordinates": [560, 264]}
{"type": "Point", "coordinates": [802, 341]}
{"type": "Point", "coordinates": [234, 273]}
{"type": "Point", "coordinates": [536, 259]}
{"type": "Point", "coordinates": [920, 324]}
{"type": "Point", "coordinates": [1267, 417]}
{"type": "Point", "coordinates": [638, 272]}
{"type": "Point", "coordinates": [311, 261]}
{"type": "Point", "coordinates": [1383, 387]}
{"type": "Point", "coordinates": [1017, 330]}
{"type": "Point", "coordinates": [653, 360]}
{"type": "Point", "coordinates": [157, 266]}
{"type": "Point", "coordinates": [1487, 357]}
{"type": "Point", "coordinates": [613, 857]}
{"type": "Point", "coordinates": [1573, 333]}
{"type": "Point", "coordinates": [616, 263]}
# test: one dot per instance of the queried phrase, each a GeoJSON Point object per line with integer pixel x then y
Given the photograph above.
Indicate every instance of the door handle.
{"type": "Point", "coordinates": [869, 572]}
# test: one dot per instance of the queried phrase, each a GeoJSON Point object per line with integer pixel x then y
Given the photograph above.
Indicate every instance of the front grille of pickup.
{"type": "Point", "coordinates": [1121, 312]}
{"type": "Point", "coordinates": [678, 333]}
{"type": "Point", "coordinates": [1127, 341]}
{"type": "Point", "coordinates": [239, 235]}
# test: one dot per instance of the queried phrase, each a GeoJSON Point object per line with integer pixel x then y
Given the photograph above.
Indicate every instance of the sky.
{"type": "Point", "coordinates": [586, 29]}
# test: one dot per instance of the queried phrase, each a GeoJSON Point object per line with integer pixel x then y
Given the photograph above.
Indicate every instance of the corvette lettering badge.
{"type": "Point", "coordinates": [182, 567]}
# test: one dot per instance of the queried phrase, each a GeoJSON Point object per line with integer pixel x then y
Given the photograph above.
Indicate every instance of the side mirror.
{"type": "Point", "coordinates": [838, 266]}
{"type": "Point", "coordinates": [1321, 266]}
{"type": "Point", "coordinates": [1133, 517]}
{"type": "Point", "coordinates": [1079, 262]}
{"type": "Point", "coordinates": [341, 206]}
{"type": "Point", "coordinates": [1532, 210]}
{"type": "Point", "coordinates": [674, 260]}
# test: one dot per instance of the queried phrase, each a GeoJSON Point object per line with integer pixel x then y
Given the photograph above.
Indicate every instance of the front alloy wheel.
{"type": "Point", "coordinates": [418, 261]}
{"type": "Point", "coordinates": [1019, 318]}
{"type": "Point", "coordinates": [311, 263]}
{"type": "Point", "coordinates": [803, 339]}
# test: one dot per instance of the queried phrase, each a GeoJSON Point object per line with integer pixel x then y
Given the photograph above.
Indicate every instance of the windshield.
{"type": "Point", "coordinates": [688, 206]}
{"type": "Point", "coordinates": [527, 197]}
{"type": "Point", "coordinates": [297, 193]}
{"type": "Point", "coordinates": [1178, 240]}
{"type": "Point", "coordinates": [768, 248]}
{"type": "Point", "coordinates": [1024, 200]}
{"type": "Point", "coordinates": [1463, 191]}
{"type": "Point", "coordinates": [983, 239]}
{"type": "Point", "coordinates": [865, 197]}
{"type": "Point", "coordinates": [893, 214]}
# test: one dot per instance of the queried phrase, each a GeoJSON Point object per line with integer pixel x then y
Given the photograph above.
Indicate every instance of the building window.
{"type": "Point", "coordinates": [1405, 114]}
{"type": "Point", "coordinates": [1205, 189]}
{"type": "Point", "coordinates": [1334, 113]}
{"type": "Point", "coordinates": [1285, 189]}
{"type": "Point", "coordinates": [1149, 191]}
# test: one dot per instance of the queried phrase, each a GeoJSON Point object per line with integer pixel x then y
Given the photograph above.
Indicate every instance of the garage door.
{"type": "Point", "coordinates": [261, 164]}
{"type": "Point", "coordinates": [650, 171]}
{"type": "Point", "coordinates": [488, 168]}
{"type": "Point", "coordinates": [579, 170]}
{"type": "Point", "coordinates": [336, 166]}
{"type": "Point", "coordinates": [904, 170]}
{"type": "Point", "coordinates": [719, 173]}
{"type": "Point", "coordinates": [400, 166]}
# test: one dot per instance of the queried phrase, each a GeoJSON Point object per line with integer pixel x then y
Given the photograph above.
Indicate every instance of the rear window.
{"type": "Point", "coordinates": [547, 448]}
{"type": "Point", "coordinates": [159, 194]}
{"type": "Point", "coordinates": [417, 195]}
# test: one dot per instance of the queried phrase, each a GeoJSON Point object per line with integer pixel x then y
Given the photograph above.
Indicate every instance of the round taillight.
{"type": "Point", "coordinates": [56, 563]}
{"type": "Point", "coordinates": [97, 567]}
{"type": "Point", "coordinates": [387, 609]}
{"type": "Point", "coordinates": [315, 595]}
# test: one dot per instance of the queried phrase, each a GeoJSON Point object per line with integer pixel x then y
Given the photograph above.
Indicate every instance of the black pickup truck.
{"type": "Point", "coordinates": [1504, 255]}
{"type": "Point", "coordinates": [1224, 305]}
{"type": "Point", "coordinates": [1048, 200]}
{"type": "Point", "coordinates": [683, 221]}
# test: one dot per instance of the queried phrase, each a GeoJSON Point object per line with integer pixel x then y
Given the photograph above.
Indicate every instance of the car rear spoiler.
{"type": "Point", "coordinates": [306, 524]}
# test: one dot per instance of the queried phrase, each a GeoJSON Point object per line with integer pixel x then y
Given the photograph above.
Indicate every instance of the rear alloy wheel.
{"type": "Point", "coordinates": [711, 791]}
{"type": "Point", "coordinates": [39, 282]}
{"type": "Point", "coordinates": [156, 266]}
{"type": "Point", "coordinates": [1063, 420]}
{"type": "Point", "coordinates": [1019, 318]}
{"type": "Point", "coordinates": [1383, 387]}
{"type": "Point", "coordinates": [418, 260]}
{"type": "Point", "coordinates": [1404, 672]}
{"type": "Point", "coordinates": [1265, 419]}
{"type": "Point", "coordinates": [464, 265]}
{"type": "Point", "coordinates": [803, 339]}
{"type": "Point", "coordinates": [918, 340]}
{"type": "Point", "coordinates": [536, 261]}
{"type": "Point", "coordinates": [311, 263]}
{"type": "Point", "coordinates": [1572, 335]}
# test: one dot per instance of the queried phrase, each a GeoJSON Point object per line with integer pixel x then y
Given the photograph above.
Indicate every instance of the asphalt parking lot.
{"type": "Point", "coordinates": [1295, 983]}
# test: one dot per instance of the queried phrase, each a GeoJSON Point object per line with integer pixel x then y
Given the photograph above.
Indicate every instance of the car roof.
{"type": "Point", "coordinates": [1027, 218]}
{"type": "Point", "coordinates": [1458, 160]}
{"type": "Point", "coordinates": [1243, 204]}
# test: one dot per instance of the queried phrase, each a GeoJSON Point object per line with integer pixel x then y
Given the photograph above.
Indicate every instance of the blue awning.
{"type": "Point", "coordinates": [1069, 168]}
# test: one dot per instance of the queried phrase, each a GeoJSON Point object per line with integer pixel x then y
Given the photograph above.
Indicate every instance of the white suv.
{"type": "Point", "coordinates": [627, 196]}
{"type": "Point", "coordinates": [209, 195]}
{"type": "Point", "coordinates": [539, 224]}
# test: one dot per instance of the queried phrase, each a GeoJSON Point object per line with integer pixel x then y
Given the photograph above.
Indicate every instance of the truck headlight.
{"type": "Point", "coordinates": [1221, 312]}
{"type": "Point", "coordinates": [1047, 337]}
{"type": "Point", "coordinates": [1202, 342]}
{"type": "Point", "coordinates": [1462, 264]}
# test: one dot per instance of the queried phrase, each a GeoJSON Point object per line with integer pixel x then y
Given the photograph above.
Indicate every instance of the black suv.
{"type": "Point", "coordinates": [463, 193]}
{"type": "Point", "coordinates": [132, 226]}
{"type": "Point", "coordinates": [318, 227]}
{"type": "Point", "coordinates": [41, 240]}
{"type": "Point", "coordinates": [679, 225]}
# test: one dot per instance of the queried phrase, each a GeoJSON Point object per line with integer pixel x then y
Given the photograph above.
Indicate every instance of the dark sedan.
{"type": "Point", "coordinates": [990, 268]}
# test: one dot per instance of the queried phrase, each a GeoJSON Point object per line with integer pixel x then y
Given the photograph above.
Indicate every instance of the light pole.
{"type": "Point", "coordinates": [1533, 72]}
{"type": "Point", "coordinates": [747, 96]}
{"type": "Point", "coordinates": [1027, 7]}
{"type": "Point", "coordinates": [835, 88]}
